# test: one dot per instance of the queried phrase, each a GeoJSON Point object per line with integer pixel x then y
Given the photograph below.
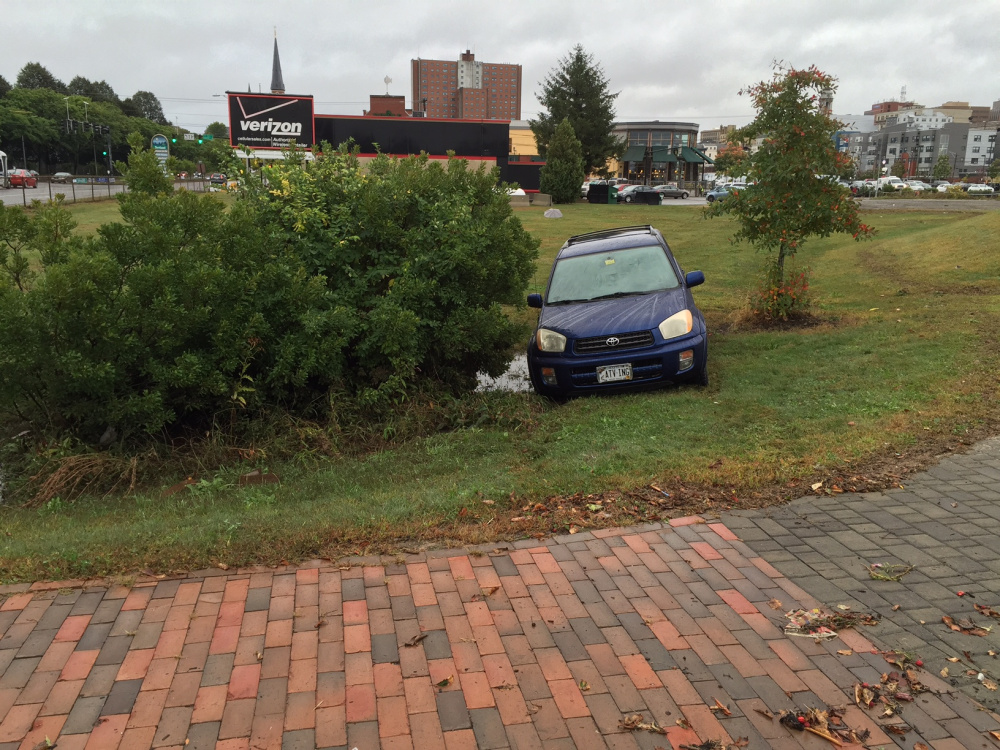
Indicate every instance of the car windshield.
{"type": "Point", "coordinates": [618, 273]}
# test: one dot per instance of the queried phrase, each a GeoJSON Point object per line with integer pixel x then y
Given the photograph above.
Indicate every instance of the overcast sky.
{"type": "Point", "coordinates": [680, 60]}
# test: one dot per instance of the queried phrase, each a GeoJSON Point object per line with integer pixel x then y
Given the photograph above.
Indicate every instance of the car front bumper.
{"type": "Point", "coordinates": [652, 367]}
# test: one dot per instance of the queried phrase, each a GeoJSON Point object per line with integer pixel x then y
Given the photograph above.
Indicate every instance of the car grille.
{"type": "Point", "coordinates": [597, 344]}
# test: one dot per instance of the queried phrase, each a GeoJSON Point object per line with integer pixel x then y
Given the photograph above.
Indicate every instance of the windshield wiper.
{"type": "Point", "coordinates": [567, 301]}
{"type": "Point", "coordinates": [613, 295]}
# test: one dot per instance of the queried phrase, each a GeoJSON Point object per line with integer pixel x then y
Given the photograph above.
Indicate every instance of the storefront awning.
{"type": "Point", "coordinates": [694, 155]}
{"type": "Point", "coordinates": [634, 153]}
{"type": "Point", "coordinates": [663, 156]}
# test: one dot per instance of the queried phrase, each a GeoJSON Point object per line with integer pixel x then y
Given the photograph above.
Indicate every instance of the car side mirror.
{"type": "Point", "coordinates": [535, 300]}
{"type": "Point", "coordinates": [694, 278]}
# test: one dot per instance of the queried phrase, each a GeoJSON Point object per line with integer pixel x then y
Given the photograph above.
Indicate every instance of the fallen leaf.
{"type": "Point", "coordinates": [965, 625]}
{"type": "Point", "coordinates": [762, 712]}
{"type": "Point", "coordinates": [445, 682]}
{"type": "Point", "coordinates": [895, 607]}
{"type": "Point", "coordinates": [260, 656]}
{"type": "Point", "coordinates": [952, 659]}
{"type": "Point", "coordinates": [816, 486]}
{"type": "Point", "coordinates": [775, 604]}
{"type": "Point", "coordinates": [944, 672]}
{"type": "Point", "coordinates": [920, 746]}
{"type": "Point", "coordinates": [320, 623]}
{"type": "Point", "coordinates": [533, 709]}
{"type": "Point", "coordinates": [415, 640]}
{"type": "Point", "coordinates": [487, 502]}
{"type": "Point", "coordinates": [720, 707]}
{"type": "Point", "coordinates": [845, 652]}
{"type": "Point", "coordinates": [632, 722]}
{"type": "Point", "coordinates": [584, 685]}
{"type": "Point", "coordinates": [489, 591]}
{"type": "Point", "coordinates": [683, 723]}
{"type": "Point", "coordinates": [896, 728]}
{"type": "Point", "coordinates": [995, 735]}
{"type": "Point", "coordinates": [989, 685]}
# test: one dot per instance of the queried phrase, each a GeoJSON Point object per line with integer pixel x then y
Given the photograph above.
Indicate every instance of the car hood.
{"type": "Point", "coordinates": [621, 315]}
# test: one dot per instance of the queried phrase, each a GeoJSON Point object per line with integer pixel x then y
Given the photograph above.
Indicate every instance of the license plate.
{"type": "Point", "coordinates": [614, 373]}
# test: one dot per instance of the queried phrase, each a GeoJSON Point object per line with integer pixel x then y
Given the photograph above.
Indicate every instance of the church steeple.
{"type": "Point", "coordinates": [277, 84]}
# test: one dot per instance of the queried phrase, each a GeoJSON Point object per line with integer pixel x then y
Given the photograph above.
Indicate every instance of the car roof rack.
{"type": "Point", "coordinates": [605, 233]}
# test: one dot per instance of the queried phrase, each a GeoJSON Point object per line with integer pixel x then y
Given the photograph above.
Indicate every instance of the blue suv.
{"type": "Point", "coordinates": [617, 314]}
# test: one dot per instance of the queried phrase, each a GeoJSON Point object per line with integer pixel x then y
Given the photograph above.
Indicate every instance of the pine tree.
{"type": "Point", "coordinates": [578, 90]}
{"type": "Point", "coordinates": [563, 171]}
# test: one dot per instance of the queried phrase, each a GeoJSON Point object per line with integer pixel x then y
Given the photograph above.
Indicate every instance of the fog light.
{"type": "Point", "coordinates": [549, 375]}
{"type": "Point", "coordinates": [685, 360]}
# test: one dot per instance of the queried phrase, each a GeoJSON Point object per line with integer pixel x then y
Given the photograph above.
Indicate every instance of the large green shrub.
{"type": "Point", "coordinates": [328, 279]}
{"type": "Point", "coordinates": [182, 311]}
{"type": "Point", "coordinates": [421, 256]}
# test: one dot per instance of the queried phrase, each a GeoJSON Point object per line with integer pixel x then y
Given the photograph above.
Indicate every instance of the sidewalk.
{"type": "Point", "coordinates": [548, 644]}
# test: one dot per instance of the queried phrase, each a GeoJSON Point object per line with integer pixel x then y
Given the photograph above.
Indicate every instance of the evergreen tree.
{"type": "Point", "coordinates": [4, 87]}
{"type": "Point", "coordinates": [578, 90]}
{"type": "Point", "coordinates": [36, 76]}
{"type": "Point", "coordinates": [563, 171]}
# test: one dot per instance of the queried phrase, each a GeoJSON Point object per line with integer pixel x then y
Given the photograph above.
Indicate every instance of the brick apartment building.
{"type": "Point", "coordinates": [466, 89]}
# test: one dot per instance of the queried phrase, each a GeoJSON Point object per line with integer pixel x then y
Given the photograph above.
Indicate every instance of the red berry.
{"type": "Point", "coordinates": [802, 720]}
{"type": "Point", "coordinates": [919, 662]}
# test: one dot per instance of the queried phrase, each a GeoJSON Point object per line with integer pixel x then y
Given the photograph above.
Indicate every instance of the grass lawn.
{"type": "Point", "coordinates": [903, 362]}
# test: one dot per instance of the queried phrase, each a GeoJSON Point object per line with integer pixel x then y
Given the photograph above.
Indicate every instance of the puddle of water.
{"type": "Point", "coordinates": [515, 380]}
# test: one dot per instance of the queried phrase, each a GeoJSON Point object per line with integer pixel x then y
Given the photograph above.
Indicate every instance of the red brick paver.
{"type": "Point", "coordinates": [542, 644]}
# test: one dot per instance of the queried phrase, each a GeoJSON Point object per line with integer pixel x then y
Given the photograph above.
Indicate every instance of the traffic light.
{"type": "Point", "coordinates": [173, 140]}
{"type": "Point", "coordinates": [105, 153]}
{"type": "Point", "coordinates": [200, 140]}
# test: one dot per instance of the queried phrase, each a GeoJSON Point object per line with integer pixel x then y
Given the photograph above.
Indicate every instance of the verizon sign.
{"type": "Point", "coordinates": [270, 120]}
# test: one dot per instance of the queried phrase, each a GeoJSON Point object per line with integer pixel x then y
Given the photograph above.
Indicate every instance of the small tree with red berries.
{"type": "Point", "coordinates": [793, 194]}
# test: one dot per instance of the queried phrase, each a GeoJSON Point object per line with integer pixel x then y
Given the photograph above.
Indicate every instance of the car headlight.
{"type": "Point", "coordinates": [550, 341]}
{"type": "Point", "coordinates": [677, 325]}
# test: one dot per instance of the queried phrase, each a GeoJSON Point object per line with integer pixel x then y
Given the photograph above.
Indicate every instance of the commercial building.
{"type": "Point", "coordinates": [658, 152]}
{"type": "Point", "coordinates": [466, 89]}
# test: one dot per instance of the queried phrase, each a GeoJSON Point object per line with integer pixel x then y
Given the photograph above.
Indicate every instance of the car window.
{"type": "Point", "coordinates": [635, 270]}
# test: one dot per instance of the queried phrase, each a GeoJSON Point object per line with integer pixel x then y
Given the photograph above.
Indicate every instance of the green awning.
{"type": "Point", "coordinates": [663, 156]}
{"type": "Point", "coordinates": [693, 155]}
{"type": "Point", "coordinates": [634, 153]}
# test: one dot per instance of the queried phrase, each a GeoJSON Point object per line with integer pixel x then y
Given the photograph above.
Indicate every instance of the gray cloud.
{"type": "Point", "coordinates": [670, 59]}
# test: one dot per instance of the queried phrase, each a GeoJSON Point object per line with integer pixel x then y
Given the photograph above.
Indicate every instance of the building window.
{"type": "Point", "coordinates": [977, 138]}
{"type": "Point", "coordinates": [975, 149]}
{"type": "Point", "coordinates": [974, 160]}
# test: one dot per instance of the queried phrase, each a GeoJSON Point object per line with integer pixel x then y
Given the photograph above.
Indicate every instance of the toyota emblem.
{"type": "Point", "coordinates": [612, 341]}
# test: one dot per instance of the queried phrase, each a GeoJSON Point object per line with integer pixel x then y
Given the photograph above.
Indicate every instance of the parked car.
{"type": "Point", "coordinates": [617, 314]}
{"type": "Point", "coordinates": [944, 187]}
{"type": "Point", "coordinates": [978, 189]}
{"type": "Point", "coordinates": [217, 178]}
{"type": "Point", "coordinates": [938, 183]}
{"type": "Point", "coordinates": [631, 193]}
{"type": "Point", "coordinates": [670, 190]}
{"type": "Point", "coordinates": [22, 178]}
{"type": "Point", "coordinates": [722, 191]}
{"type": "Point", "coordinates": [182, 175]}
{"type": "Point", "coordinates": [62, 177]}
{"type": "Point", "coordinates": [917, 185]}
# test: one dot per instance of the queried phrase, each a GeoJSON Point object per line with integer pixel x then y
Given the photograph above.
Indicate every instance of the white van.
{"type": "Point", "coordinates": [894, 182]}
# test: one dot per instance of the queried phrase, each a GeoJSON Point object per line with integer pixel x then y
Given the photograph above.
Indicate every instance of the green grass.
{"type": "Point", "coordinates": [905, 356]}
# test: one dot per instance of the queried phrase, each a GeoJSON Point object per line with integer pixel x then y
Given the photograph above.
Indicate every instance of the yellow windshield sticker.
{"type": "Point", "coordinates": [609, 262]}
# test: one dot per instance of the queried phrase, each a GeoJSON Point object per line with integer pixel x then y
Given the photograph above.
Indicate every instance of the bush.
{"type": "Point", "coordinates": [419, 258]}
{"type": "Point", "coordinates": [181, 312]}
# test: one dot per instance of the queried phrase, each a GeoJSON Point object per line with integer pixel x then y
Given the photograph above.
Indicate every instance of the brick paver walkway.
{"type": "Point", "coordinates": [534, 645]}
{"type": "Point", "coordinates": [945, 522]}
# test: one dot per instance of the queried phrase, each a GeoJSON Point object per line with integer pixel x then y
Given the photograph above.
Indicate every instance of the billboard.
{"type": "Point", "coordinates": [260, 121]}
